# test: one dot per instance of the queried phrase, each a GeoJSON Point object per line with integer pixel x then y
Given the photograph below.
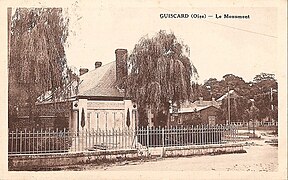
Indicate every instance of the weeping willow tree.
{"type": "Point", "coordinates": [37, 60]}
{"type": "Point", "coordinates": [159, 71]}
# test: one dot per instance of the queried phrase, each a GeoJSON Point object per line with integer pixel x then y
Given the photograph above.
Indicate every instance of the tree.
{"type": "Point", "coordinates": [159, 71]}
{"type": "Point", "coordinates": [237, 83]}
{"type": "Point", "coordinates": [37, 62]}
{"type": "Point", "coordinates": [194, 119]}
{"type": "Point", "coordinates": [264, 89]}
{"type": "Point", "coordinates": [238, 107]}
{"type": "Point", "coordinates": [264, 76]}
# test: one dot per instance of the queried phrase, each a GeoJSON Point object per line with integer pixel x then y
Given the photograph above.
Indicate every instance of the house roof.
{"type": "Point", "coordinates": [195, 109]}
{"type": "Point", "coordinates": [202, 103]}
{"type": "Point", "coordinates": [231, 92]}
{"type": "Point", "coordinates": [100, 82]}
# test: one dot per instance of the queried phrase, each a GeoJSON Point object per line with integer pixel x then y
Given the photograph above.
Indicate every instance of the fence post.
{"type": "Point", "coordinates": [182, 136]}
{"type": "Point", "coordinates": [25, 141]}
{"type": "Point", "coordinates": [176, 137]}
{"type": "Point", "coordinates": [33, 140]}
{"type": "Point", "coordinates": [163, 143]}
{"type": "Point", "coordinates": [148, 139]}
{"type": "Point", "coordinates": [16, 139]}
{"type": "Point", "coordinates": [136, 137]}
{"type": "Point", "coordinates": [109, 138]}
{"type": "Point", "coordinates": [20, 143]}
{"type": "Point", "coordinates": [191, 135]}
{"type": "Point", "coordinates": [64, 137]}
{"type": "Point", "coordinates": [11, 148]}
{"type": "Point", "coordinates": [82, 139]}
{"type": "Point", "coordinates": [29, 141]}
{"type": "Point", "coordinates": [74, 139]}
{"type": "Point", "coordinates": [41, 140]}
{"type": "Point", "coordinates": [202, 134]}
{"type": "Point", "coordinates": [45, 138]}
{"type": "Point", "coordinates": [113, 134]}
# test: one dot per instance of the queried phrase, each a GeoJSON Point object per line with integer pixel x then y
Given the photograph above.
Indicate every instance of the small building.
{"type": "Point", "coordinates": [98, 102]}
{"type": "Point", "coordinates": [196, 113]}
{"type": "Point", "coordinates": [94, 101]}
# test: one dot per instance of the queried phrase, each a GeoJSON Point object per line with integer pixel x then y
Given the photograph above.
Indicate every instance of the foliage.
{"type": "Point", "coordinates": [37, 61]}
{"type": "Point", "coordinates": [259, 90]}
{"type": "Point", "coordinates": [263, 77]}
{"type": "Point", "coordinates": [159, 71]}
{"type": "Point", "coordinates": [193, 119]}
{"type": "Point", "coordinates": [238, 107]}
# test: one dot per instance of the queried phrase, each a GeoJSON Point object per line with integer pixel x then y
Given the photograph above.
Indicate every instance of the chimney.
{"type": "Point", "coordinates": [83, 71]}
{"type": "Point", "coordinates": [98, 64]}
{"type": "Point", "coordinates": [121, 63]}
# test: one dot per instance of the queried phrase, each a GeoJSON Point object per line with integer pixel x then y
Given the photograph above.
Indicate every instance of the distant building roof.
{"type": "Point", "coordinates": [203, 103]}
{"type": "Point", "coordinates": [231, 92]}
{"type": "Point", "coordinates": [100, 82]}
{"type": "Point", "coordinates": [198, 105]}
{"type": "Point", "coordinates": [195, 109]}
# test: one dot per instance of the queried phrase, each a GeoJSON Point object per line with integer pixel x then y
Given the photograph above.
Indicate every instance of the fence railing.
{"type": "Point", "coordinates": [183, 136]}
{"type": "Point", "coordinates": [35, 142]}
{"type": "Point", "coordinates": [256, 124]}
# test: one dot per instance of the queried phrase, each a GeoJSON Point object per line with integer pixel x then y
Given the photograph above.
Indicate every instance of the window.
{"type": "Point", "coordinates": [179, 120]}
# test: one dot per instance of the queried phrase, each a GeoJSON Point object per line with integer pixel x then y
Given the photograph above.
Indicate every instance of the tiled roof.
{"type": "Point", "coordinates": [199, 103]}
{"type": "Point", "coordinates": [195, 109]}
{"type": "Point", "coordinates": [100, 82]}
{"type": "Point", "coordinates": [203, 103]}
{"type": "Point", "coordinates": [232, 94]}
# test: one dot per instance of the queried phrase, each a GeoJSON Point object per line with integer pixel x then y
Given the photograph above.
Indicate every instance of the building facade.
{"type": "Point", "coordinates": [98, 102]}
{"type": "Point", "coordinates": [196, 113]}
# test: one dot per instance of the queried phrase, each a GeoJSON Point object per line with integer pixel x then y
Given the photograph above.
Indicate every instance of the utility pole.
{"type": "Point", "coordinates": [271, 100]}
{"type": "Point", "coordinates": [253, 111]}
{"type": "Point", "coordinates": [229, 116]}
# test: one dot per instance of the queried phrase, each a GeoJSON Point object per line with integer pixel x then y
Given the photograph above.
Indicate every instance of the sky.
{"type": "Point", "coordinates": [244, 47]}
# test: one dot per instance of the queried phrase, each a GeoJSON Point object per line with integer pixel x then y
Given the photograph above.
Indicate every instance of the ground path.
{"type": "Point", "coordinates": [260, 156]}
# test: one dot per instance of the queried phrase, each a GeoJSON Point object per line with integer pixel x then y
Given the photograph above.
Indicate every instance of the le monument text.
{"type": "Point", "coordinates": [203, 16]}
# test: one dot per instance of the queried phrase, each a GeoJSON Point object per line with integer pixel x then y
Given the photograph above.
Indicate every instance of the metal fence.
{"type": "Point", "coordinates": [256, 124]}
{"type": "Point", "coordinates": [35, 142]}
{"type": "Point", "coordinates": [186, 135]}
{"type": "Point", "coordinates": [47, 141]}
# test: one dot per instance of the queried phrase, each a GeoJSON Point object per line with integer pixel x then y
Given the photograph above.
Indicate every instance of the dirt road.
{"type": "Point", "coordinates": [260, 156]}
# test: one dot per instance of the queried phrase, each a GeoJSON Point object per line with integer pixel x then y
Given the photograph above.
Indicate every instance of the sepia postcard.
{"type": "Point", "coordinates": [144, 89]}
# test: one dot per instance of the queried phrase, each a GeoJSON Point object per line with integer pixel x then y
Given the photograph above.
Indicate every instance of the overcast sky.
{"type": "Point", "coordinates": [218, 46]}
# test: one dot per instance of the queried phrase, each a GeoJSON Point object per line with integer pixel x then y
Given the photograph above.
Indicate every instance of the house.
{"type": "Point", "coordinates": [196, 113]}
{"type": "Point", "coordinates": [98, 102]}
{"type": "Point", "coordinates": [94, 101]}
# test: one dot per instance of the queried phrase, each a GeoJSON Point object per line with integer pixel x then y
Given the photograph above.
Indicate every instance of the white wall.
{"type": "Point", "coordinates": [104, 115]}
